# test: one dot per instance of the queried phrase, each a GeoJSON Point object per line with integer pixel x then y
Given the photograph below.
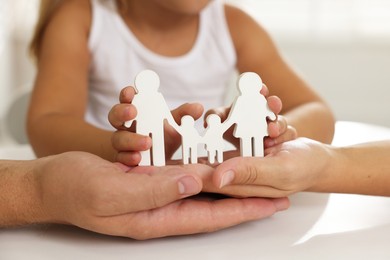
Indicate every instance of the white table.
{"type": "Point", "coordinates": [317, 226]}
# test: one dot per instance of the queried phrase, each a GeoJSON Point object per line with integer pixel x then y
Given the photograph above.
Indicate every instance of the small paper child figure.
{"type": "Point", "coordinates": [190, 139]}
{"type": "Point", "coordinates": [249, 112]}
{"type": "Point", "coordinates": [213, 138]}
{"type": "Point", "coordinates": [152, 111]}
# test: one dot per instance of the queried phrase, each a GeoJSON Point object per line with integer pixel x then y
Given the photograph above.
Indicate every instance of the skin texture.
{"type": "Point", "coordinates": [56, 116]}
{"type": "Point", "coordinates": [307, 165]}
{"type": "Point", "coordinates": [81, 189]}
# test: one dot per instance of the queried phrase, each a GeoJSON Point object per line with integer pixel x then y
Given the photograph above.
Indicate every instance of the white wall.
{"type": "Point", "coordinates": [352, 76]}
{"type": "Point", "coordinates": [17, 19]}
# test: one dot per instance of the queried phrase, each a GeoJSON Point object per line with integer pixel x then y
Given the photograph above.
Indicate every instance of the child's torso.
{"type": "Point", "coordinates": [200, 75]}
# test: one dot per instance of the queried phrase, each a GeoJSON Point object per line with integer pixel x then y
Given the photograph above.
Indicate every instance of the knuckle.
{"type": "Point", "coordinates": [249, 174]}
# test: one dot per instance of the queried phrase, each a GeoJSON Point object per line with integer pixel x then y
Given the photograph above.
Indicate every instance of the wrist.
{"type": "Point", "coordinates": [38, 211]}
{"type": "Point", "coordinates": [20, 202]}
{"type": "Point", "coordinates": [327, 174]}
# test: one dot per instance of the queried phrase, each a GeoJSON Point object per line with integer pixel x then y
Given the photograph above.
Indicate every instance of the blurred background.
{"type": "Point", "coordinates": [341, 47]}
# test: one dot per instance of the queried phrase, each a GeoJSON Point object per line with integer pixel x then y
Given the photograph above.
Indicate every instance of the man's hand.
{"type": "Point", "coordinates": [143, 202]}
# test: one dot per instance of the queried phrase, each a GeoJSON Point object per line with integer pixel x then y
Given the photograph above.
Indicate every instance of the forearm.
{"type": "Point", "coordinates": [361, 169]}
{"type": "Point", "coordinates": [312, 120]}
{"type": "Point", "coordinates": [54, 134]}
{"type": "Point", "coordinates": [19, 200]}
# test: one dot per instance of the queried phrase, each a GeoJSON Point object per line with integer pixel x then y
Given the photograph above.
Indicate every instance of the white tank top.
{"type": "Point", "coordinates": [117, 56]}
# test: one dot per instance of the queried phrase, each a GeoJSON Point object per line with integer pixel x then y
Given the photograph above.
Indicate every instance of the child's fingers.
{"type": "Point", "coordinates": [279, 132]}
{"type": "Point", "coordinates": [127, 94]}
{"type": "Point", "coordinates": [275, 104]}
{"type": "Point", "coordinates": [264, 90]}
{"type": "Point", "coordinates": [277, 127]}
{"type": "Point", "coordinates": [129, 158]}
{"type": "Point", "coordinates": [273, 130]}
{"type": "Point", "coordinates": [193, 109]}
{"type": "Point", "coordinates": [128, 141]}
{"type": "Point", "coordinates": [289, 134]}
{"type": "Point", "coordinates": [121, 113]}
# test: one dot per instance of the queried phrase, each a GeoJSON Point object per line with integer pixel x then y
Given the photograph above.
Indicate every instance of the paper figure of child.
{"type": "Point", "coordinates": [249, 112]}
{"type": "Point", "coordinates": [152, 111]}
{"type": "Point", "coordinates": [190, 139]}
{"type": "Point", "coordinates": [213, 138]}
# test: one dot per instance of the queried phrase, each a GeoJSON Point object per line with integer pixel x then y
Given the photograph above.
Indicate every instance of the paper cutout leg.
{"type": "Point", "coordinates": [190, 140]}
{"type": "Point", "coordinates": [258, 146]}
{"type": "Point", "coordinates": [213, 138]}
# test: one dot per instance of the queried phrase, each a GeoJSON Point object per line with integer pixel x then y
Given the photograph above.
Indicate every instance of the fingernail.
{"type": "Point", "coordinates": [227, 178]}
{"type": "Point", "coordinates": [188, 186]}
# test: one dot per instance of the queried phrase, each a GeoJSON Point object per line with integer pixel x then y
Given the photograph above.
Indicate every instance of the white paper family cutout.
{"type": "Point", "coordinates": [249, 113]}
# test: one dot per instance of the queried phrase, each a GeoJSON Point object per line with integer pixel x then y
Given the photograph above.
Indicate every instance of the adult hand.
{"type": "Point", "coordinates": [287, 168]}
{"type": "Point", "coordinates": [143, 202]}
{"type": "Point", "coordinates": [129, 144]}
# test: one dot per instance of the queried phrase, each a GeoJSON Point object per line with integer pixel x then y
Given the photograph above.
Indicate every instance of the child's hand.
{"type": "Point", "coordinates": [128, 143]}
{"type": "Point", "coordinates": [279, 130]}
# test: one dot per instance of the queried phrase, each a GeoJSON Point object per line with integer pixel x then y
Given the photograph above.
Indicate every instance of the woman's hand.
{"type": "Point", "coordinates": [290, 167]}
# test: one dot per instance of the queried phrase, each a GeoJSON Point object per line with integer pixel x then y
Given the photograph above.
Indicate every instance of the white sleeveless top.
{"type": "Point", "coordinates": [201, 75]}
